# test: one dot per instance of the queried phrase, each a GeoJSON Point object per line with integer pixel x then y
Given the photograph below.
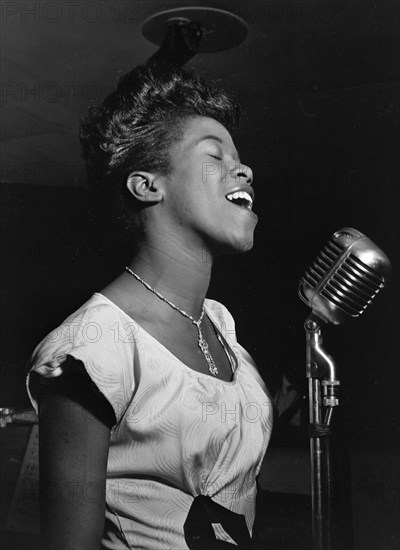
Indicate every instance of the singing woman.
{"type": "Point", "coordinates": [153, 419]}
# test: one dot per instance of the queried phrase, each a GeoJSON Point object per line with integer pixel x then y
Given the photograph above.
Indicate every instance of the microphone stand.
{"type": "Point", "coordinates": [322, 390]}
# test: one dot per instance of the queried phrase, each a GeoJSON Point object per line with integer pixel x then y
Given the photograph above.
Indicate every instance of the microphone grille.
{"type": "Point", "coordinates": [349, 272]}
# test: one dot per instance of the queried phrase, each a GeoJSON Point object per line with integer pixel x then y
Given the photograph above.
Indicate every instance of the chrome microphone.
{"type": "Point", "coordinates": [345, 277]}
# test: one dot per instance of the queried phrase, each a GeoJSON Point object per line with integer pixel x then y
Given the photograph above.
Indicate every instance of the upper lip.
{"type": "Point", "coordinates": [246, 188]}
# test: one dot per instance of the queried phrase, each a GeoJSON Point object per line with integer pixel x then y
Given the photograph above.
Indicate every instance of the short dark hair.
{"type": "Point", "coordinates": [138, 122]}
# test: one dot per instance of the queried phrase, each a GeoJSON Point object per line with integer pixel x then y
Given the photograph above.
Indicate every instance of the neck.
{"type": "Point", "coordinates": [180, 274]}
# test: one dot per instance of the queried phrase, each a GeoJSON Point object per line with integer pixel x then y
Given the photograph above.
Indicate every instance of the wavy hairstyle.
{"type": "Point", "coordinates": [137, 124]}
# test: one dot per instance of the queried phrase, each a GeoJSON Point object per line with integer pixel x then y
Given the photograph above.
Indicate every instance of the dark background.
{"type": "Point", "coordinates": [318, 83]}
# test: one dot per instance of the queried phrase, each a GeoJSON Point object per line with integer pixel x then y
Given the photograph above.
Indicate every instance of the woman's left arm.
{"type": "Point", "coordinates": [74, 436]}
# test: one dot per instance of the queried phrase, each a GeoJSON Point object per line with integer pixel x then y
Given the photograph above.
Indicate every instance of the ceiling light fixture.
{"type": "Point", "coordinates": [181, 33]}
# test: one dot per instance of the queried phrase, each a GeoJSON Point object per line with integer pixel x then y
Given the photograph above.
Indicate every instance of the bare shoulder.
{"type": "Point", "coordinates": [74, 390]}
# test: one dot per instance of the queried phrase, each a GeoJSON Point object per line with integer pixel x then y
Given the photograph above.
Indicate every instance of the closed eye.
{"type": "Point", "coordinates": [215, 157]}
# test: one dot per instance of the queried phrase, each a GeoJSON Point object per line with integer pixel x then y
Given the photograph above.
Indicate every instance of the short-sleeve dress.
{"type": "Point", "coordinates": [179, 433]}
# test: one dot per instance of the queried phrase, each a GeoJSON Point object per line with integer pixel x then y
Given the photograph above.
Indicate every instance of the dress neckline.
{"type": "Point", "coordinates": [166, 350]}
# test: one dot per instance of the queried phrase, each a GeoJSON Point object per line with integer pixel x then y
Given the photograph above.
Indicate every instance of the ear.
{"type": "Point", "coordinates": [145, 187]}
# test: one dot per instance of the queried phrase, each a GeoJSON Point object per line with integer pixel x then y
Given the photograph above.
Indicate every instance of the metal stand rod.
{"type": "Point", "coordinates": [322, 386]}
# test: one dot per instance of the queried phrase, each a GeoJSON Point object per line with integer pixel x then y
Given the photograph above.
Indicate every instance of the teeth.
{"type": "Point", "coordinates": [241, 195]}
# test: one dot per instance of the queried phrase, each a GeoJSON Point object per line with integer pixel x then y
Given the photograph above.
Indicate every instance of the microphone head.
{"type": "Point", "coordinates": [345, 277]}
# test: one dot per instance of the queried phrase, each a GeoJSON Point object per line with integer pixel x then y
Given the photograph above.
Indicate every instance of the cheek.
{"type": "Point", "coordinates": [211, 172]}
{"type": "Point", "coordinates": [195, 189]}
{"type": "Point", "coordinates": [192, 188]}
{"type": "Point", "coordinates": [182, 196]}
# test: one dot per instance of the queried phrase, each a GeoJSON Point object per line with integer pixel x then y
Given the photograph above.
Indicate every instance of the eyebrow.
{"type": "Point", "coordinates": [215, 138]}
{"type": "Point", "coordinates": [209, 136]}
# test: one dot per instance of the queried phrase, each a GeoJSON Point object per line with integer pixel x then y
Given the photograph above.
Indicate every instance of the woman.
{"type": "Point", "coordinates": [151, 415]}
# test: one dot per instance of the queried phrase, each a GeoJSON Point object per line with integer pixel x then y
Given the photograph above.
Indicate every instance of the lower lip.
{"type": "Point", "coordinates": [247, 210]}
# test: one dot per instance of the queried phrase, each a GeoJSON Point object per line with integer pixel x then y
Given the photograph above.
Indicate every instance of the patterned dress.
{"type": "Point", "coordinates": [179, 433]}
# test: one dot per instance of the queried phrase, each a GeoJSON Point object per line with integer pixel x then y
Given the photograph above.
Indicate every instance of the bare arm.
{"type": "Point", "coordinates": [74, 436]}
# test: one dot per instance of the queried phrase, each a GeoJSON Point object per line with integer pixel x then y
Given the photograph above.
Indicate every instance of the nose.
{"type": "Point", "coordinates": [245, 172]}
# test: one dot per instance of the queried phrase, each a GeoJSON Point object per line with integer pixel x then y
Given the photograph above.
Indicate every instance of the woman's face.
{"type": "Point", "coordinates": [209, 191]}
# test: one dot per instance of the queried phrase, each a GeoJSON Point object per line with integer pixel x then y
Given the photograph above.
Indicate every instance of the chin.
{"type": "Point", "coordinates": [243, 241]}
{"type": "Point", "coordinates": [239, 246]}
{"type": "Point", "coordinates": [246, 247]}
{"type": "Point", "coordinates": [233, 242]}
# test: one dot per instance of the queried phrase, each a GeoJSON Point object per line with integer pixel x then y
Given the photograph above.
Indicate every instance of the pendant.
{"type": "Point", "coordinates": [206, 352]}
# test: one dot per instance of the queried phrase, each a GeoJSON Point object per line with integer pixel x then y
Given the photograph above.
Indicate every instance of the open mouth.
{"type": "Point", "coordinates": [241, 198]}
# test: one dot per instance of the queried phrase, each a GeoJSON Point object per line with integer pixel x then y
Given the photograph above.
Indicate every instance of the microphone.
{"type": "Point", "coordinates": [345, 277]}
